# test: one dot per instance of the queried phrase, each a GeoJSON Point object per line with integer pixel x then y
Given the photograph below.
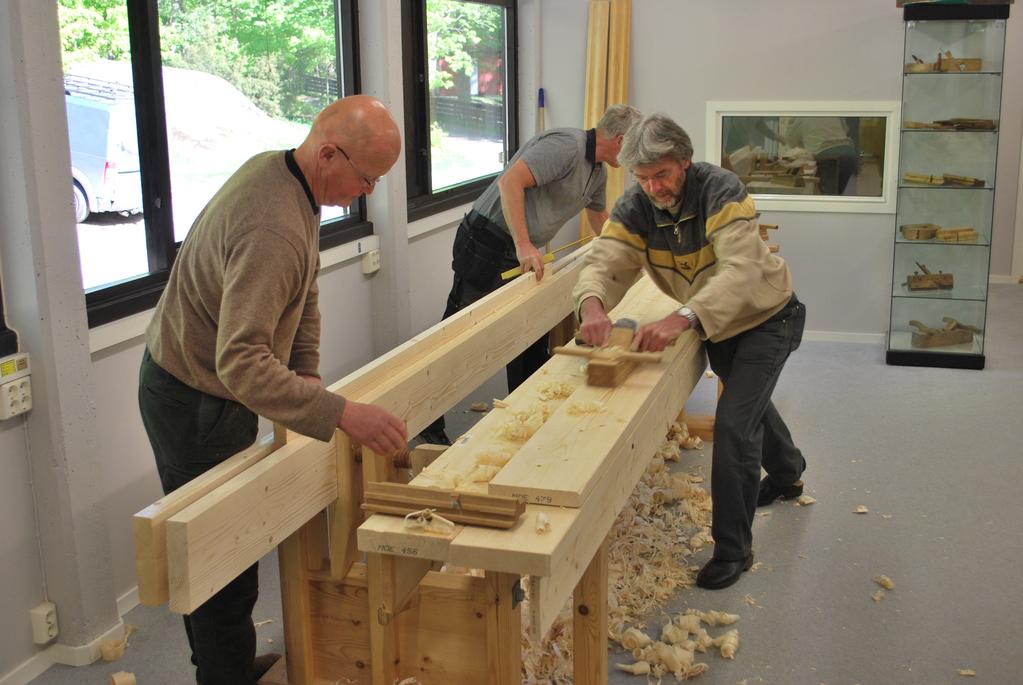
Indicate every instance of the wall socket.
{"type": "Point", "coordinates": [15, 387]}
{"type": "Point", "coordinates": [44, 622]}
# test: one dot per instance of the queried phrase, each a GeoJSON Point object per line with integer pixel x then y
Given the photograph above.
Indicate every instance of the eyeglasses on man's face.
{"type": "Point", "coordinates": [369, 182]}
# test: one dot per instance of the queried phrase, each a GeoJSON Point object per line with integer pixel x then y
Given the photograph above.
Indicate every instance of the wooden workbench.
{"type": "Point", "coordinates": [394, 614]}
{"type": "Point", "coordinates": [578, 469]}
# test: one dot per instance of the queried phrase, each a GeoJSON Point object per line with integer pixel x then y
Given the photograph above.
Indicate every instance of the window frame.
{"type": "Point", "coordinates": [119, 300]}
{"type": "Point", "coordinates": [421, 202]}
{"type": "Point", "coordinates": [890, 110]}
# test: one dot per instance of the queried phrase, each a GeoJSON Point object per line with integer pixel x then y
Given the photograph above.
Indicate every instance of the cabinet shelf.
{"type": "Point", "coordinates": [951, 74]}
{"type": "Point", "coordinates": [960, 131]}
{"type": "Point", "coordinates": [927, 186]}
{"type": "Point", "coordinates": [945, 326]}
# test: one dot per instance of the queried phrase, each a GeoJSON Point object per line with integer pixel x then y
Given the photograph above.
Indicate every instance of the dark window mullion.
{"type": "Point", "coordinates": [154, 159]}
{"type": "Point", "coordinates": [422, 201]}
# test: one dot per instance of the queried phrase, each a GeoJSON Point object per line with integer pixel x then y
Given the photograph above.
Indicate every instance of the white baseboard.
{"type": "Point", "coordinates": [128, 601]}
{"type": "Point", "coordinates": [845, 337]}
{"type": "Point", "coordinates": [82, 655]}
{"type": "Point", "coordinates": [29, 670]}
{"type": "Point", "coordinates": [1000, 279]}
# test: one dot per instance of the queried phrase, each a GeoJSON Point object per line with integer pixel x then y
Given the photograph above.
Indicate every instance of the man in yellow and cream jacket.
{"type": "Point", "coordinates": [692, 227]}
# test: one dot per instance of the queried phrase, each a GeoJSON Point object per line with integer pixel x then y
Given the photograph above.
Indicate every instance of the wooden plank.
{"type": "Point", "coordinates": [589, 622]}
{"type": "Point", "coordinates": [213, 540]}
{"type": "Point", "coordinates": [339, 624]}
{"type": "Point", "coordinates": [149, 529]}
{"type": "Point", "coordinates": [388, 535]}
{"type": "Point", "coordinates": [503, 301]}
{"type": "Point", "coordinates": [504, 631]}
{"type": "Point", "coordinates": [447, 373]}
{"type": "Point", "coordinates": [629, 459]}
{"type": "Point", "coordinates": [344, 513]}
{"type": "Point", "coordinates": [445, 634]}
{"type": "Point", "coordinates": [562, 463]}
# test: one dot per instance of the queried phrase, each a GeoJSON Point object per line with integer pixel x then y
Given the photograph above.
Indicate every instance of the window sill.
{"type": "Point", "coordinates": [133, 327]}
{"type": "Point", "coordinates": [437, 221]}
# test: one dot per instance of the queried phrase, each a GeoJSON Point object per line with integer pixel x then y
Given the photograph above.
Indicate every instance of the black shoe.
{"type": "Point", "coordinates": [433, 436]}
{"type": "Point", "coordinates": [262, 664]}
{"type": "Point", "coordinates": [719, 573]}
{"type": "Point", "coordinates": [770, 492]}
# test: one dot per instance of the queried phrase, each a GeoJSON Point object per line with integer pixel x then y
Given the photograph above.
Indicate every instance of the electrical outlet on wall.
{"type": "Point", "coordinates": [15, 387]}
{"type": "Point", "coordinates": [44, 622]}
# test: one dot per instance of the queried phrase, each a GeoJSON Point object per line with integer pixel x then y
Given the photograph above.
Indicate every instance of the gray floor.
{"type": "Point", "coordinates": [934, 454]}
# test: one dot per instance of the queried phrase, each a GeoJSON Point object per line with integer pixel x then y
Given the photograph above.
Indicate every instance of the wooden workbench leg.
{"type": "Point", "coordinates": [383, 628]}
{"type": "Point", "coordinates": [589, 626]}
{"type": "Point", "coordinates": [302, 551]}
{"type": "Point", "coordinates": [346, 513]}
{"type": "Point", "coordinates": [504, 629]}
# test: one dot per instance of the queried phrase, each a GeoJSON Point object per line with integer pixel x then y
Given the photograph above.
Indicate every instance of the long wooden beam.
{"type": "Point", "coordinates": [418, 381]}
{"type": "Point", "coordinates": [443, 374]}
{"type": "Point", "coordinates": [213, 540]}
{"type": "Point", "coordinates": [149, 528]}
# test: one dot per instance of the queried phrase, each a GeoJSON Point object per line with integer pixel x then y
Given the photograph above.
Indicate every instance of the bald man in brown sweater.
{"type": "Point", "coordinates": [236, 334]}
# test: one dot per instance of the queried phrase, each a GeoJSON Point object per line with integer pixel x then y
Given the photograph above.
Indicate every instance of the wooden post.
{"type": "Point", "coordinates": [301, 552]}
{"type": "Point", "coordinates": [589, 625]}
{"type": "Point", "coordinates": [345, 514]}
{"type": "Point", "coordinates": [383, 629]}
{"type": "Point", "coordinates": [504, 629]}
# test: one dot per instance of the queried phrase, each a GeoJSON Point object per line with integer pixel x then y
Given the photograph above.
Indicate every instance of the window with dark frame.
{"type": "Point", "coordinates": [461, 100]}
{"type": "Point", "coordinates": [165, 100]}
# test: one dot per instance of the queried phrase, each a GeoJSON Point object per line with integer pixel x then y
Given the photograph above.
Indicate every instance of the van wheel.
{"type": "Point", "coordinates": [81, 204]}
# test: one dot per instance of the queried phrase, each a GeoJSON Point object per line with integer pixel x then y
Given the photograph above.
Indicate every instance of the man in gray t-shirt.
{"type": "Point", "coordinates": [553, 177]}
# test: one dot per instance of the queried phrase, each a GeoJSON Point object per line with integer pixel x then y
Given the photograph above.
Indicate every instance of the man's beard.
{"type": "Point", "coordinates": [666, 205]}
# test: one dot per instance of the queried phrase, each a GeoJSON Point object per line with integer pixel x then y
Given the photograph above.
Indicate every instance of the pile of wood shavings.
{"type": "Point", "coordinates": [524, 424]}
{"type": "Point", "coordinates": [647, 561]}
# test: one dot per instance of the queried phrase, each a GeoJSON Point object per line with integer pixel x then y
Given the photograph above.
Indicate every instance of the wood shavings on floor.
{"type": "Point", "coordinates": [666, 520]}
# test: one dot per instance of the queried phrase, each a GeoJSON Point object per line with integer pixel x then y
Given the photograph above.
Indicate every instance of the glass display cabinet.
{"type": "Point", "coordinates": [951, 99]}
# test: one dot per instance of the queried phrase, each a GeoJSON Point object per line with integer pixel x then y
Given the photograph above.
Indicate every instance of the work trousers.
{"type": "Point", "coordinates": [481, 252]}
{"type": "Point", "coordinates": [191, 432]}
{"type": "Point", "coordinates": [748, 431]}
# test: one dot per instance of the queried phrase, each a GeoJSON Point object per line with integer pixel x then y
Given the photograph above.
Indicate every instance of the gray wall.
{"type": "Point", "coordinates": [684, 54]}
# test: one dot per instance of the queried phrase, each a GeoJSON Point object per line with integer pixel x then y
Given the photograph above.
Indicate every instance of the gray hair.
{"type": "Point", "coordinates": [618, 119]}
{"type": "Point", "coordinates": [652, 140]}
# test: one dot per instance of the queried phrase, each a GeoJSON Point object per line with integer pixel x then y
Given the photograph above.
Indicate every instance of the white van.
{"type": "Point", "coordinates": [104, 146]}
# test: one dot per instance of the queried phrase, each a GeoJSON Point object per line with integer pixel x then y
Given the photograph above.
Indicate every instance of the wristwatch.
{"type": "Point", "coordinates": [688, 314]}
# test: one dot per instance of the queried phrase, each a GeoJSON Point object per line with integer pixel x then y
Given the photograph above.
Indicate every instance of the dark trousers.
{"type": "Point", "coordinates": [748, 431]}
{"type": "Point", "coordinates": [191, 432]}
{"type": "Point", "coordinates": [835, 166]}
{"type": "Point", "coordinates": [481, 252]}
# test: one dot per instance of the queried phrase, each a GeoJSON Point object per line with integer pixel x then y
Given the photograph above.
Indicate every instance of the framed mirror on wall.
{"type": "Point", "coordinates": [809, 156]}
